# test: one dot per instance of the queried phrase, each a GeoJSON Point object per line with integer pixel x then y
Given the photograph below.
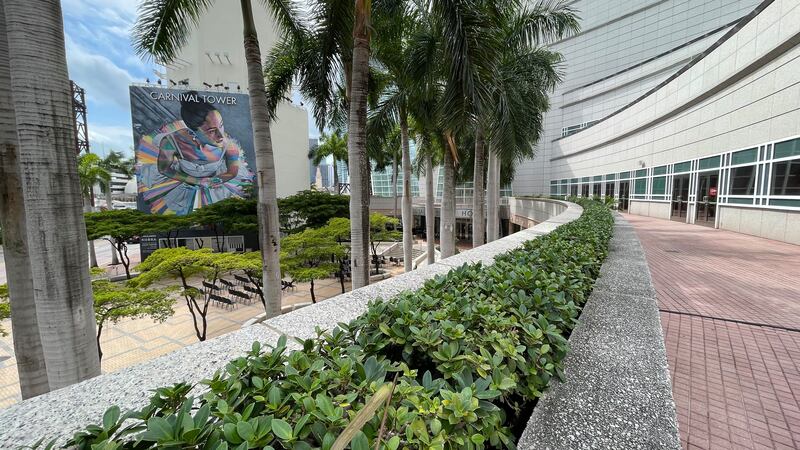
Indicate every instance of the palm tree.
{"type": "Point", "coordinates": [399, 99]}
{"type": "Point", "coordinates": [357, 146]}
{"type": "Point", "coordinates": [91, 173]}
{"type": "Point", "coordinates": [333, 145]}
{"type": "Point", "coordinates": [161, 30]}
{"type": "Point", "coordinates": [27, 343]}
{"type": "Point", "coordinates": [51, 198]}
{"type": "Point", "coordinates": [518, 92]}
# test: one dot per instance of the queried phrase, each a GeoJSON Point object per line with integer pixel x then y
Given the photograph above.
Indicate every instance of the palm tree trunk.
{"type": "Point", "coordinates": [447, 236]}
{"type": "Point", "coordinates": [493, 198]}
{"type": "Point", "coordinates": [478, 201]}
{"type": "Point", "coordinates": [109, 202]}
{"type": "Point", "coordinates": [408, 218]}
{"type": "Point", "coordinates": [31, 366]}
{"type": "Point", "coordinates": [356, 147]}
{"type": "Point", "coordinates": [52, 195]}
{"type": "Point", "coordinates": [269, 232]}
{"type": "Point", "coordinates": [394, 184]}
{"type": "Point", "coordinates": [430, 211]}
{"type": "Point", "coordinates": [335, 177]}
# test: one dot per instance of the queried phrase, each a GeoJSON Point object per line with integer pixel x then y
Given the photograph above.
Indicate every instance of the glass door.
{"type": "Point", "coordinates": [624, 194]}
{"type": "Point", "coordinates": [707, 184]}
{"type": "Point", "coordinates": [680, 197]}
{"type": "Point", "coordinates": [609, 189]}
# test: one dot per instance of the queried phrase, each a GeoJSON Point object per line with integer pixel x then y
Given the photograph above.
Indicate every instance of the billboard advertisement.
{"type": "Point", "coordinates": [193, 148]}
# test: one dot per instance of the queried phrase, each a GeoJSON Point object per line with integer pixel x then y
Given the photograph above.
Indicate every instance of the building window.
{"type": "Point", "coordinates": [596, 189]}
{"type": "Point", "coordinates": [682, 167]}
{"type": "Point", "coordinates": [660, 170]}
{"type": "Point", "coordinates": [584, 190]}
{"type": "Point", "coordinates": [744, 156]}
{"type": "Point", "coordinates": [786, 178]}
{"type": "Point", "coordinates": [659, 185]}
{"type": "Point", "coordinates": [743, 180]}
{"type": "Point", "coordinates": [640, 186]}
{"type": "Point", "coordinates": [709, 163]}
{"type": "Point", "coordinates": [787, 148]}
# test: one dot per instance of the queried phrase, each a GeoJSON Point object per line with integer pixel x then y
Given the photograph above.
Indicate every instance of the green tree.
{"type": "Point", "coordinates": [182, 263]}
{"type": "Point", "coordinates": [115, 161]}
{"type": "Point", "coordinates": [250, 264]}
{"type": "Point", "coordinates": [91, 173]}
{"type": "Point", "coordinates": [231, 214]}
{"type": "Point", "coordinates": [114, 302]}
{"type": "Point", "coordinates": [379, 232]}
{"type": "Point", "coordinates": [310, 255]}
{"type": "Point", "coordinates": [333, 145]}
{"type": "Point", "coordinates": [119, 226]}
{"type": "Point", "coordinates": [162, 28]}
{"type": "Point", "coordinates": [339, 229]}
{"type": "Point", "coordinates": [311, 209]}
{"type": "Point", "coordinates": [525, 75]}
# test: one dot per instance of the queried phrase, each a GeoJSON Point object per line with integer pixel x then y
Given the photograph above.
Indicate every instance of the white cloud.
{"type": "Point", "coordinates": [104, 81]}
{"type": "Point", "coordinates": [110, 137]}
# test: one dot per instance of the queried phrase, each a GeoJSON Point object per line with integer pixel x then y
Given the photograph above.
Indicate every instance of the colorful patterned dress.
{"type": "Point", "coordinates": [165, 195]}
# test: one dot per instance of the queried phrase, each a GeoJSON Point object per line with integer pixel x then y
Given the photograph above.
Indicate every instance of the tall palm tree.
{"type": "Point", "coordinates": [357, 146]}
{"type": "Point", "coordinates": [399, 100]}
{"type": "Point", "coordinates": [40, 95]}
{"type": "Point", "coordinates": [91, 173]}
{"type": "Point", "coordinates": [31, 365]}
{"type": "Point", "coordinates": [518, 92]}
{"type": "Point", "coordinates": [333, 145]}
{"type": "Point", "coordinates": [162, 28]}
{"type": "Point", "coordinates": [478, 193]}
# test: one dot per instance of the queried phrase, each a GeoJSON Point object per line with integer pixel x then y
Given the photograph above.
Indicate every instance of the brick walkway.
{"type": "Point", "coordinates": [731, 318]}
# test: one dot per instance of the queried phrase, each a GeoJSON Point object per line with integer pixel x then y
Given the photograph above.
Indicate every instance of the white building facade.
{"type": "Point", "coordinates": [214, 56]}
{"type": "Point", "coordinates": [688, 111]}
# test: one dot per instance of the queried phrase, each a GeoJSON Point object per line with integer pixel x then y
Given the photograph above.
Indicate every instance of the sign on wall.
{"type": "Point", "coordinates": [193, 148]}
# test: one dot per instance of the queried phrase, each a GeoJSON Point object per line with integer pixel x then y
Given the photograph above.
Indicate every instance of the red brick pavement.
{"type": "Point", "coordinates": [736, 385]}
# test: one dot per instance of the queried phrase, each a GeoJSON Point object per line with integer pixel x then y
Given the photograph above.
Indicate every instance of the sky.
{"type": "Point", "coordinates": [101, 60]}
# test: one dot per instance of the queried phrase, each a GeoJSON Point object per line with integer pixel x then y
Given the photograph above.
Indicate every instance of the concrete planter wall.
{"type": "Point", "coordinates": [61, 412]}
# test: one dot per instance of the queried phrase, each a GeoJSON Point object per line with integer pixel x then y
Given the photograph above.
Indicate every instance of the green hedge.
{"type": "Point", "coordinates": [468, 353]}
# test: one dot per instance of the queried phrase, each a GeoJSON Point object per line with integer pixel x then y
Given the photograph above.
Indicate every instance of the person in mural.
{"type": "Point", "coordinates": [191, 162]}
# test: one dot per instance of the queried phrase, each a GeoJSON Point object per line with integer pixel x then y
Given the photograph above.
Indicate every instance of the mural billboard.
{"type": "Point", "coordinates": [193, 148]}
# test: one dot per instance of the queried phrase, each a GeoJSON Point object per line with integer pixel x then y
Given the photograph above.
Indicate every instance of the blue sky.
{"type": "Point", "coordinates": [101, 60]}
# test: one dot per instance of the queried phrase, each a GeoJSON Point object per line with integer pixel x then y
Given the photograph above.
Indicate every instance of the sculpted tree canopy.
{"type": "Point", "coordinates": [119, 226]}
{"type": "Point", "coordinates": [311, 255]}
{"type": "Point", "coordinates": [182, 263]}
{"type": "Point", "coordinates": [116, 301]}
{"type": "Point", "coordinates": [311, 209]}
{"type": "Point", "coordinates": [230, 214]}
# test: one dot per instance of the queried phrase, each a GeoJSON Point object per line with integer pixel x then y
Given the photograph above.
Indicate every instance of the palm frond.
{"type": "Point", "coordinates": [163, 27]}
{"type": "Point", "coordinates": [286, 14]}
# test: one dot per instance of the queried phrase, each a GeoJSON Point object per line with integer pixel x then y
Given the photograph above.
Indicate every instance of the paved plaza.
{"type": "Point", "coordinates": [730, 311]}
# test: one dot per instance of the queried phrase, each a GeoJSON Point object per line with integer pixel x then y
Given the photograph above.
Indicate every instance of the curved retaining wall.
{"type": "Point", "coordinates": [617, 391]}
{"type": "Point", "coordinates": [61, 412]}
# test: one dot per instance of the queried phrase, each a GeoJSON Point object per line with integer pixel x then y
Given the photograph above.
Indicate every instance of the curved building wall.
{"type": "Point", "coordinates": [625, 48]}
{"type": "Point", "coordinates": [728, 126]}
